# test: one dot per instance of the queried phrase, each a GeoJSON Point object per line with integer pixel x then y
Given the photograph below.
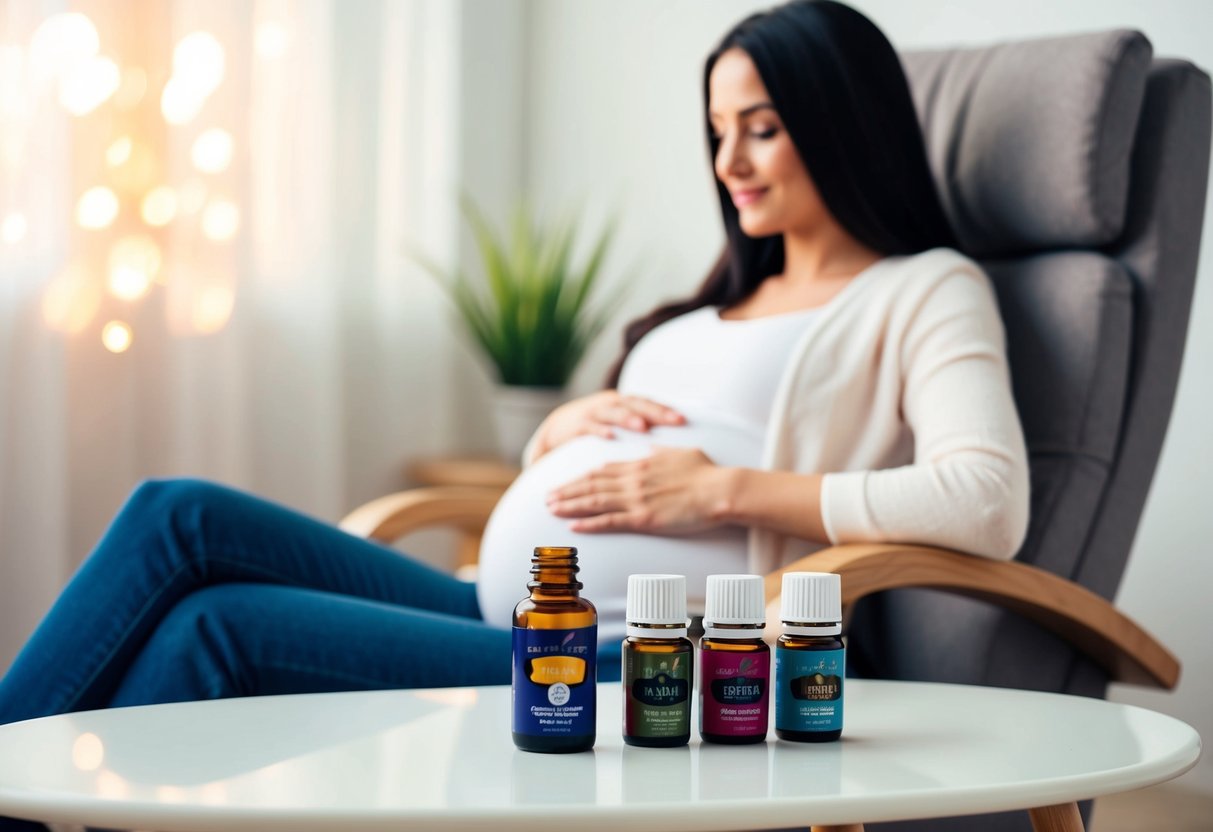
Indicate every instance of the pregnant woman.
{"type": "Point", "coordinates": [840, 376]}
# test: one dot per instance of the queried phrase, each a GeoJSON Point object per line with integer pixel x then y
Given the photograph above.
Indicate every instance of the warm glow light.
{"type": "Point", "coordinates": [62, 42]}
{"type": "Point", "coordinates": [272, 39]}
{"type": "Point", "coordinates": [132, 89]}
{"type": "Point", "coordinates": [87, 85]}
{"type": "Point", "coordinates": [213, 309]}
{"type": "Point", "coordinates": [198, 63]}
{"type": "Point", "coordinates": [88, 752]}
{"type": "Point", "coordinates": [220, 220]}
{"type": "Point", "coordinates": [96, 208]}
{"type": "Point", "coordinates": [170, 794]}
{"type": "Point", "coordinates": [112, 786]}
{"type": "Point", "coordinates": [134, 262]}
{"type": "Point", "coordinates": [117, 336]}
{"type": "Point", "coordinates": [212, 151]}
{"type": "Point", "coordinates": [71, 299]}
{"type": "Point", "coordinates": [193, 197]}
{"type": "Point", "coordinates": [198, 301]}
{"type": "Point", "coordinates": [458, 697]}
{"type": "Point", "coordinates": [179, 103]}
{"type": "Point", "coordinates": [159, 206]}
{"type": "Point", "coordinates": [118, 152]}
{"type": "Point", "coordinates": [13, 229]}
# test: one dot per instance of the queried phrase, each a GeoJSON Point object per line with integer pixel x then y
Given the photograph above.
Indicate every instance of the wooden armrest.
{"type": "Point", "coordinates": [1085, 620]}
{"type": "Point", "coordinates": [389, 518]}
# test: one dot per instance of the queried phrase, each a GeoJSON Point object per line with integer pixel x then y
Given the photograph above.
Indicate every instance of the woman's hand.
{"type": "Point", "coordinates": [675, 491]}
{"type": "Point", "coordinates": [597, 415]}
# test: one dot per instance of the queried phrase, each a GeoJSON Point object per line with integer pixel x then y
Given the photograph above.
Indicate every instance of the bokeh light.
{"type": "Point", "coordinates": [139, 173]}
{"type": "Point", "coordinates": [117, 336]}
{"type": "Point", "coordinates": [198, 63]}
{"type": "Point", "coordinates": [179, 103]}
{"type": "Point", "coordinates": [132, 89]}
{"type": "Point", "coordinates": [134, 262]}
{"type": "Point", "coordinates": [193, 197]}
{"type": "Point", "coordinates": [213, 309]}
{"type": "Point", "coordinates": [88, 752]}
{"type": "Point", "coordinates": [87, 85]}
{"type": "Point", "coordinates": [118, 151]}
{"type": "Point", "coordinates": [62, 42]}
{"type": "Point", "coordinates": [71, 299]}
{"type": "Point", "coordinates": [212, 151]}
{"type": "Point", "coordinates": [159, 206]}
{"type": "Point", "coordinates": [96, 208]}
{"type": "Point", "coordinates": [220, 220]}
{"type": "Point", "coordinates": [198, 301]}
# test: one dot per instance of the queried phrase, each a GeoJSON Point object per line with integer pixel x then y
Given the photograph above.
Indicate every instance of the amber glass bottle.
{"type": "Point", "coordinates": [810, 658]}
{"type": "Point", "coordinates": [658, 663]}
{"type": "Point", "coordinates": [555, 657]}
{"type": "Point", "coordinates": [734, 662]}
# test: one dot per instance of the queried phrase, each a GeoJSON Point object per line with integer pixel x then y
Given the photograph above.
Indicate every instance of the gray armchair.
{"type": "Point", "coordinates": [1075, 170]}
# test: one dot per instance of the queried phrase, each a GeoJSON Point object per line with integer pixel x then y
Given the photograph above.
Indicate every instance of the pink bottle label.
{"type": "Point", "coordinates": [733, 691]}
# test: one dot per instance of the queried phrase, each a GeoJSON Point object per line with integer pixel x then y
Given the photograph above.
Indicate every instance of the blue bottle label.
{"type": "Point", "coordinates": [554, 681]}
{"type": "Point", "coordinates": [808, 689]}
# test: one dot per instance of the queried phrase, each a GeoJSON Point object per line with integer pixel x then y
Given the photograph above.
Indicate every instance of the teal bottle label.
{"type": "Point", "coordinates": [808, 689]}
{"type": "Point", "coordinates": [657, 703]}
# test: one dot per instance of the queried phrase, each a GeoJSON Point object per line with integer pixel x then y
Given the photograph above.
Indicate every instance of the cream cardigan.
{"type": "Point", "coordinates": [899, 393]}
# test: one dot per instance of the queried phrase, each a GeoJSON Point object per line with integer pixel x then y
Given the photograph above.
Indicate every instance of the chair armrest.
{"type": "Point", "coordinates": [389, 518]}
{"type": "Point", "coordinates": [1085, 620]}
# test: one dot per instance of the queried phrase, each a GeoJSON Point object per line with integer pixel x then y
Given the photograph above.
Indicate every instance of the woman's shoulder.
{"type": "Point", "coordinates": [936, 264]}
{"type": "Point", "coordinates": [936, 275]}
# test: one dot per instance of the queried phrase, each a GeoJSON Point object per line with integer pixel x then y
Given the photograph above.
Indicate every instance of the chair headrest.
{"type": "Point", "coordinates": [1030, 142]}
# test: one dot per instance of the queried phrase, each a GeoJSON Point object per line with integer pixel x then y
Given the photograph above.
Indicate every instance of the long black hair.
{"type": "Point", "coordinates": [842, 95]}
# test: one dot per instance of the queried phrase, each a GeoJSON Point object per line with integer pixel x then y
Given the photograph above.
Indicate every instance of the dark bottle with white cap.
{"type": "Point", "coordinates": [657, 663]}
{"type": "Point", "coordinates": [734, 662]}
{"type": "Point", "coordinates": [810, 658]}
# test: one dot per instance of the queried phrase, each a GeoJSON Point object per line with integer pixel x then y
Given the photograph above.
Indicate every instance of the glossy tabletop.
{"type": "Point", "coordinates": [443, 759]}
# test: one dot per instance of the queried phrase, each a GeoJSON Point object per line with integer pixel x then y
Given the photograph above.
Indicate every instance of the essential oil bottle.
{"type": "Point", "coordinates": [810, 658]}
{"type": "Point", "coordinates": [657, 663]}
{"type": "Point", "coordinates": [555, 658]}
{"type": "Point", "coordinates": [734, 662]}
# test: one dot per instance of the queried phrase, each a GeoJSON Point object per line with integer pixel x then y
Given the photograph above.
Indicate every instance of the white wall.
{"type": "Point", "coordinates": [613, 117]}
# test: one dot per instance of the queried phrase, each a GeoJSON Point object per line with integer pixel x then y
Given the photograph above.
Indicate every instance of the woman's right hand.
{"type": "Point", "coordinates": [597, 415]}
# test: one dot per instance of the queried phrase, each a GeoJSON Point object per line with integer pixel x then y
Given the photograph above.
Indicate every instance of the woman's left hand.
{"type": "Point", "coordinates": [673, 491]}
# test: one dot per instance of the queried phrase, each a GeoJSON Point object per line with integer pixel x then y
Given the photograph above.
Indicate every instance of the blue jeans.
{"type": "Point", "coordinates": [198, 591]}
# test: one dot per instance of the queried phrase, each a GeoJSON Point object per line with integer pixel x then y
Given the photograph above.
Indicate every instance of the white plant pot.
{"type": "Point", "coordinates": [518, 411]}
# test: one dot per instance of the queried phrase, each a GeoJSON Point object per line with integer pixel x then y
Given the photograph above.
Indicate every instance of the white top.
{"type": "Point", "coordinates": [703, 362]}
{"type": "Point", "coordinates": [443, 760]}
{"type": "Point", "coordinates": [723, 376]}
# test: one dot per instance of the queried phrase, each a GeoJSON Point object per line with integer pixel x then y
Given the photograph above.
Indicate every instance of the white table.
{"type": "Point", "coordinates": [443, 759]}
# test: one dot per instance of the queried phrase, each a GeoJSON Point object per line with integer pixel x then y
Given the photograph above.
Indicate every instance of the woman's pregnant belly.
{"type": "Point", "coordinates": [521, 521]}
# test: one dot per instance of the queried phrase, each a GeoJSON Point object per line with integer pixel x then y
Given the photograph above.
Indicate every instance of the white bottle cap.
{"type": "Point", "coordinates": [657, 606]}
{"type": "Point", "coordinates": [736, 600]}
{"type": "Point", "coordinates": [811, 598]}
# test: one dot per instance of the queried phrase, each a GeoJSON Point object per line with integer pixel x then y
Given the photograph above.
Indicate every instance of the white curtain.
{"type": "Point", "coordinates": [300, 355]}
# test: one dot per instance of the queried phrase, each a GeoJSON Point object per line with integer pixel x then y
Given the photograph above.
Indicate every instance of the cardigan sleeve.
{"type": "Point", "coordinates": [967, 488]}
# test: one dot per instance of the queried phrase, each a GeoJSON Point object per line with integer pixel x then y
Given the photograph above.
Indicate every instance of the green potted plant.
{"type": "Point", "coordinates": [531, 310]}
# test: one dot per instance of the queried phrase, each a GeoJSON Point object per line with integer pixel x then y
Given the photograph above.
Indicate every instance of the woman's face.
{"type": "Point", "coordinates": [756, 159]}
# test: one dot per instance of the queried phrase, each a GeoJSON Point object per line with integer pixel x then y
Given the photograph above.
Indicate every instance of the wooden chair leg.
{"type": "Point", "coordinates": [1062, 818]}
